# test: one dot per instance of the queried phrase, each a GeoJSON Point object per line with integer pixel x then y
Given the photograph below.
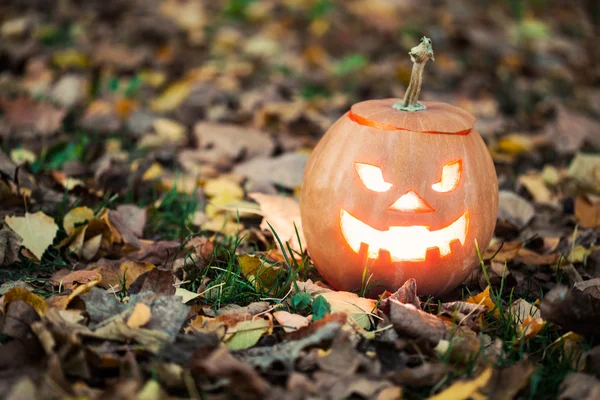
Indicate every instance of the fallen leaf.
{"type": "Point", "coordinates": [527, 317]}
{"type": "Point", "coordinates": [157, 280]}
{"type": "Point", "coordinates": [587, 211]}
{"type": "Point", "coordinates": [76, 217]}
{"type": "Point", "coordinates": [290, 322]}
{"type": "Point", "coordinates": [134, 218]}
{"type": "Point", "coordinates": [34, 301]}
{"type": "Point", "coordinates": [585, 171]}
{"type": "Point", "coordinates": [171, 98]}
{"type": "Point", "coordinates": [412, 322]}
{"type": "Point", "coordinates": [140, 316]}
{"type": "Point", "coordinates": [570, 130]}
{"type": "Point", "coordinates": [536, 186]}
{"type": "Point", "coordinates": [485, 299]}
{"type": "Point", "coordinates": [247, 333]}
{"type": "Point", "coordinates": [76, 278]}
{"type": "Point", "coordinates": [283, 214]}
{"type": "Point", "coordinates": [462, 390]}
{"type": "Point", "coordinates": [259, 272]}
{"type": "Point", "coordinates": [580, 386]}
{"type": "Point", "coordinates": [10, 243]}
{"type": "Point", "coordinates": [574, 309]}
{"type": "Point", "coordinates": [221, 364]}
{"type": "Point", "coordinates": [514, 209]}
{"type": "Point", "coordinates": [186, 295]}
{"type": "Point", "coordinates": [285, 170]}
{"type": "Point", "coordinates": [223, 144]}
{"type": "Point", "coordinates": [40, 118]}
{"type": "Point", "coordinates": [37, 231]}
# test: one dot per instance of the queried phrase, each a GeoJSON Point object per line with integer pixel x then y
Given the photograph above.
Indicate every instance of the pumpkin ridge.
{"type": "Point", "coordinates": [387, 127]}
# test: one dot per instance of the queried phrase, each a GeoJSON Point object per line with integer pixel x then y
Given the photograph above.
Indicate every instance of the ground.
{"type": "Point", "coordinates": [151, 160]}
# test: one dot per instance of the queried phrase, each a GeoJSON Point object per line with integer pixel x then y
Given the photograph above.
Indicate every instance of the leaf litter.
{"type": "Point", "coordinates": [151, 164]}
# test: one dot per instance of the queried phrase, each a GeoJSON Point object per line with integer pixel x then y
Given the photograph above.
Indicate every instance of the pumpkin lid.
{"type": "Point", "coordinates": [435, 118]}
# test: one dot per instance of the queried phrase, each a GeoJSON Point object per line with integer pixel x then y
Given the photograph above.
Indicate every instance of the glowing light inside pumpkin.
{"type": "Point", "coordinates": [372, 177]}
{"type": "Point", "coordinates": [404, 243]}
{"type": "Point", "coordinates": [450, 177]}
{"type": "Point", "coordinates": [411, 202]}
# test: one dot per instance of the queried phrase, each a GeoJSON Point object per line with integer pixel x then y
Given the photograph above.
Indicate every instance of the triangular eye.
{"type": "Point", "coordinates": [450, 177]}
{"type": "Point", "coordinates": [372, 177]}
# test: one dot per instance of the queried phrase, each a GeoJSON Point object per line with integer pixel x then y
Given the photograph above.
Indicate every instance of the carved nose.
{"type": "Point", "coordinates": [411, 202]}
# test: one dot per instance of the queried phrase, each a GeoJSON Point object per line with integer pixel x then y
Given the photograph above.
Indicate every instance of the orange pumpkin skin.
{"type": "Point", "coordinates": [411, 150]}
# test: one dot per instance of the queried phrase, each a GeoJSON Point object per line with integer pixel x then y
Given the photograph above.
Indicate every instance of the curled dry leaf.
{"type": "Point", "coordinates": [414, 323]}
{"type": "Point", "coordinates": [140, 316]}
{"type": "Point", "coordinates": [37, 231]}
{"type": "Point", "coordinates": [34, 301]}
{"type": "Point", "coordinates": [290, 322]}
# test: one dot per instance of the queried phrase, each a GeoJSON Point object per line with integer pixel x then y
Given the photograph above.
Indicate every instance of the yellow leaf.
{"type": "Point", "coordinates": [259, 273]}
{"type": "Point", "coordinates": [76, 216]}
{"type": "Point", "coordinates": [463, 390]}
{"type": "Point", "coordinates": [514, 144]}
{"type": "Point", "coordinates": [172, 97]}
{"type": "Point", "coordinates": [35, 301]}
{"type": "Point", "coordinates": [248, 333]}
{"type": "Point", "coordinates": [186, 295]}
{"type": "Point", "coordinates": [578, 254]}
{"type": "Point", "coordinates": [140, 316]}
{"type": "Point", "coordinates": [70, 59]}
{"type": "Point", "coordinates": [224, 189]}
{"type": "Point", "coordinates": [37, 231]}
{"type": "Point", "coordinates": [485, 299]}
{"type": "Point", "coordinates": [21, 156]}
{"type": "Point", "coordinates": [154, 172]}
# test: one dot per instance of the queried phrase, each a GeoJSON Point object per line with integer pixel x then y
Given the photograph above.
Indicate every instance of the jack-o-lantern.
{"type": "Point", "coordinates": [397, 189]}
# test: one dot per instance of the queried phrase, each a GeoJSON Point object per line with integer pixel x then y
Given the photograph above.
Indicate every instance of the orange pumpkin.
{"type": "Point", "coordinates": [397, 189]}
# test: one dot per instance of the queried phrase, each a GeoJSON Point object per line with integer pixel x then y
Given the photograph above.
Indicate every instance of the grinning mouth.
{"type": "Point", "coordinates": [404, 243]}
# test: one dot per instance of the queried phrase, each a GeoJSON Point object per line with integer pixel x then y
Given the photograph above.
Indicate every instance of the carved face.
{"type": "Point", "coordinates": [389, 204]}
{"type": "Point", "coordinates": [405, 243]}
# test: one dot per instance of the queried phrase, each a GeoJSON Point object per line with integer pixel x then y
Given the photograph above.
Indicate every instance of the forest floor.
{"type": "Point", "coordinates": [151, 160]}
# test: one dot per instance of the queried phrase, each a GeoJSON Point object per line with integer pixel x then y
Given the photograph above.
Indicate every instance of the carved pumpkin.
{"type": "Point", "coordinates": [397, 189]}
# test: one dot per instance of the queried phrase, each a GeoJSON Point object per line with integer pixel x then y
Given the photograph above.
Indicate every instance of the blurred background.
{"type": "Point", "coordinates": [129, 97]}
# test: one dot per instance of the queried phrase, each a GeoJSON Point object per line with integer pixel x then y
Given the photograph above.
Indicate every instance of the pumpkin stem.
{"type": "Point", "coordinates": [419, 55]}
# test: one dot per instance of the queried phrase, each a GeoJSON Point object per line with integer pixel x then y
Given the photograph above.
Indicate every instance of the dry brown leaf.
{"type": "Point", "coordinates": [25, 114]}
{"type": "Point", "coordinates": [9, 246]}
{"type": "Point", "coordinates": [77, 278]}
{"type": "Point", "coordinates": [283, 214]}
{"type": "Point", "coordinates": [587, 211]}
